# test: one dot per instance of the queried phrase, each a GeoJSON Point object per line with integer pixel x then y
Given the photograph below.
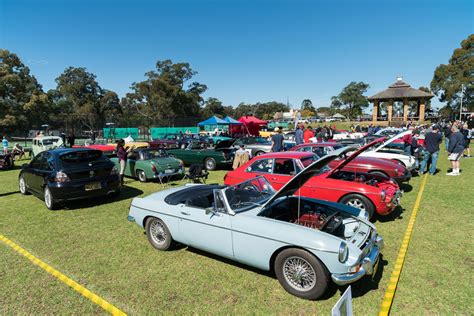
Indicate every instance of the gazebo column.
{"type": "Point", "coordinates": [375, 112]}
{"type": "Point", "coordinates": [405, 111]}
{"type": "Point", "coordinates": [390, 111]}
{"type": "Point", "coordinates": [421, 111]}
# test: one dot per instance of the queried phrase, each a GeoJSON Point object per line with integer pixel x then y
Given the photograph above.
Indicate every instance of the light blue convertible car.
{"type": "Point", "coordinates": [306, 242]}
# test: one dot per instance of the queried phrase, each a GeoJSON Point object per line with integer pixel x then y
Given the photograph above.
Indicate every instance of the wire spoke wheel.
{"type": "Point", "coordinates": [158, 232]}
{"type": "Point", "coordinates": [357, 204]}
{"type": "Point", "coordinates": [299, 273]}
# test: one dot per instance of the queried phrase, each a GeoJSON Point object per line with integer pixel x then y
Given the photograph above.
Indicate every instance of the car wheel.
{"type": "Point", "coordinates": [210, 163]}
{"type": "Point", "coordinates": [258, 153]}
{"type": "Point", "coordinates": [158, 234]}
{"type": "Point", "coordinates": [301, 273]}
{"type": "Point", "coordinates": [360, 202]}
{"type": "Point", "coordinates": [22, 186]}
{"type": "Point", "coordinates": [379, 173]}
{"type": "Point", "coordinates": [49, 199]}
{"type": "Point", "coordinates": [141, 176]}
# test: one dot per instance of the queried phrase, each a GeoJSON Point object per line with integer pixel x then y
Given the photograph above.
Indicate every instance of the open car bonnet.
{"type": "Point", "coordinates": [344, 162]}
{"type": "Point", "coordinates": [391, 140]}
{"type": "Point", "coordinates": [302, 177]}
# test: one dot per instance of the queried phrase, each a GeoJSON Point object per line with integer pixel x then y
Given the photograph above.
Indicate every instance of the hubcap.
{"type": "Point", "coordinates": [356, 203]}
{"type": "Point", "coordinates": [22, 185]}
{"type": "Point", "coordinates": [210, 164]}
{"type": "Point", "coordinates": [141, 176]}
{"type": "Point", "coordinates": [47, 198]}
{"type": "Point", "coordinates": [157, 232]}
{"type": "Point", "coordinates": [299, 274]}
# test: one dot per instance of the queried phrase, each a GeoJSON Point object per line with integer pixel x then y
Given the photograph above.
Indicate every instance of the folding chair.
{"type": "Point", "coordinates": [196, 174]}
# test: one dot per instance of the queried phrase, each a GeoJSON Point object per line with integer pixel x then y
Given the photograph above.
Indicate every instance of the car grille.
{"type": "Point", "coordinates": [396, 197]}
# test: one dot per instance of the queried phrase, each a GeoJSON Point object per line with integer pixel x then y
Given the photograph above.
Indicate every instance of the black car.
{"type": "Point", "coordinates": [6, 161]}
{"type": "Point", "coordinates": [66, 174]}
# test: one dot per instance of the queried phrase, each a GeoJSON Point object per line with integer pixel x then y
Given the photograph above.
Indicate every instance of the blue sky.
{"type": "Point", "coordinates": [244, 51]}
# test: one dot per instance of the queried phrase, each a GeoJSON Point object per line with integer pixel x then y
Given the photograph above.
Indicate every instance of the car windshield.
{"type": "Point", "coordinates": [50, 141]}
{"type": "Point", "coordinates": [249, 194]}
{"type": "Point", "coordinates": [151, 154]}
{"type": "Point", "coordinates": [83, 156]}
{"type": "Point", "coordinates": [305, 162]}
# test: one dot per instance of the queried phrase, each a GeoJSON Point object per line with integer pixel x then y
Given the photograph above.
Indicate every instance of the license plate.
{"type": "Point", "coordinates": [169, 170]}
{"type": "Point", "coordinates": [93, 186]}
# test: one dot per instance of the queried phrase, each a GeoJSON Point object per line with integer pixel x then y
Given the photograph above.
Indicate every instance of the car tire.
{"type": "Point", "coordinates": [141, 175]}
{"type": "Point", "coordinates": [158, 234]}
{"type": "Point", "coordinates": [49, 199]}
{"type": "Point", "coordinates": [307, 266]}
{"type": "Point", "coordinates": [258, 153]}
{"type": "Point", "coordinates": [360, 202]}
{"type": "Point", "coordinates": [210, 163]}
{"type": "Point", "coordinates": [22, 186]}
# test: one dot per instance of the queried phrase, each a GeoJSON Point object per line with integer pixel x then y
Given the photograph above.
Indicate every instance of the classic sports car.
{"type": "Point", "coordinates": [44, 143]}
{"type": "Point", "coordinates": [146, 164]}
{"type": "Point", "coordinates": [306, 242]}
{"type": "Point", "coordinates": [377, 166]}
{"type": "Point", "coordinates": [255, 145]}
{"type": "Point", "coordinates": [66, 174]}
{"type": "Point", "coordinates": [6, 161]}
{"type": "Point", "coordinates": [107, 149]}
{"type": "Point", "coordinates": [194, 154]}
{"type": "Point", "coordinates": [381, 150]}
{"type": "Point", "coordinates": [368, 192]}
{"type": "Point", "coordinates": [163, 143]}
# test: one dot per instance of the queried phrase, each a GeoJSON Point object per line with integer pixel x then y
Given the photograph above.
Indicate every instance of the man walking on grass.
{"type": "Point", "coordinates": [455, 150]}
{"type": "Point", "coordinates": [299, 135]}
{"type": "Point", "coordinates": [431, 150]}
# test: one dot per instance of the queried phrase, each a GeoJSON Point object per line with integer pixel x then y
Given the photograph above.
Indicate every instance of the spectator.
{"type": "Point", "coordinates": [299, 135]}
{"type": "Point", "coordinates": [63, 137]}
{"type": "Point", "coordinates": [241, 157]}
{"type": "Point", "coordinates": [455, 150]}
{"type": "Point", "coordinates": [467, 140]}
{"type": "Point", "coordinates": [407, 141]}
{"type": "Point", "coordinates": [431, 150]}
{"type": "Point", "coordinates": [71, 139]}
{"type": "Point", "coordinates": [308, 133]}
{"type": "Point", "coordinates": [18, 151]}
{"type": "Point", "coordinates": [5, 144]}
{"type": "Point", "coordinates": [122, 155]}
{"type": "Point", "coordinates": [447, 135]}
{"type": "Point", "coordinates": [93, 137]}
{"type": "Point", "coordinates": [277, 140]}
{"type": "Point", "coordinates": [416, 148]}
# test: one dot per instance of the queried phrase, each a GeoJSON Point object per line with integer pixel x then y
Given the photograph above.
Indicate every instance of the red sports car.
{"type": "Point", "coordinates": [377, 166]}
{"type": "Point", "coordinates": [369, 192]}
{"type": "Point", "coordinates": [107, 149]}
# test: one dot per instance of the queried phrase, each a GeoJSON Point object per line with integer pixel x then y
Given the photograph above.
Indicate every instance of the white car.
{"type": "Point", "coordinates": [378, 152]}
{"type": "Point", "coordinates": [389, 131]}
{"type": "Point", "coordinates": [44, 143]}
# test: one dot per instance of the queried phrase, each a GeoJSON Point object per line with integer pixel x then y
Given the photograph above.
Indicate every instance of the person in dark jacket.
{"type": "Point", "coordinates": [467, 140]}
{"type": "Point", "coordinates": [299, 139]}
{"type": "Point", "coordinates": [122, 155]}
{"type": "Point", "coordinates": [431, 150]}
{"type": "Point", "coordinates": [416, 148]}
{"type": "Point", "coordinates": [455, 150]}
{"type": "Point", "coordinates": [447, 135]}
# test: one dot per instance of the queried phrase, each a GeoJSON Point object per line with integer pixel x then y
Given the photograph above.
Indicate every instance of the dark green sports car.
{"type": "Point", "coordinates": [210, 158]}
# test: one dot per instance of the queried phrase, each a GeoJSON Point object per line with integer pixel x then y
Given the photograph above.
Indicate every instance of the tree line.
{"type": "Point", "coordinates": [169, 95]}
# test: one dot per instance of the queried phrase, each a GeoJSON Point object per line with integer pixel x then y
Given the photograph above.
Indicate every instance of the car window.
{"type": "Point", "coordinates": [83, 156]}
{"type": "Point", "coordinates": [319, 151]}
{"type": "Point", "coordinates": [284, 166]}
{"type": "Point", "coordinates": [36, 162]}
{"type": "Point", "coordinates": [262, 166]}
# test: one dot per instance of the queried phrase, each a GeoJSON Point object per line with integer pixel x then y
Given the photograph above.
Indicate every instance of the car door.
{"type": "Point", "coordinates": [261, 167]}
{"type": "Point", "coordinates": [28, 173]}
{"type": "Point", "coordinates": [39, 171]}
{"type": "Point", "coordinates": [209, 231]}
{"type": "Point", "coordinates": [283, 171]}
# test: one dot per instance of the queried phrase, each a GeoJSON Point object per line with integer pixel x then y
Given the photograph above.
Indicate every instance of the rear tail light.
{"type": "Point", "coordinates": [61, 177]}
{"type": "Point", "coordinates": [114, 171]}
{"type": "Point", "coordinates": [153, 168]}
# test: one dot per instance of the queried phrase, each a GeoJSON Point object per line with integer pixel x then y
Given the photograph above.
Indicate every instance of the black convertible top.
{"type": "Point", "coordinates": [182, 196]}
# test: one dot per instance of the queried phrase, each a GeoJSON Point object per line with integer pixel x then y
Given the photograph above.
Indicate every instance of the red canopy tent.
{"type": "Point", "coordinates": [250, 125]}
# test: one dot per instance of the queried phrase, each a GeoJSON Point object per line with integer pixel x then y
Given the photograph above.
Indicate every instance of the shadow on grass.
{"type": "Point", "coordinates": [396, 214]}
{"type": "Point", "coordinates": [126, 193]}
{"type": "Point", "coordinates": [406, 187]}
{"type": "Point", "coordinates": [9, 193]}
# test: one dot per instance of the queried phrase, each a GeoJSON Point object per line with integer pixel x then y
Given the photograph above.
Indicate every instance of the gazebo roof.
{"type": "Point", "coordinates": [400, 90]}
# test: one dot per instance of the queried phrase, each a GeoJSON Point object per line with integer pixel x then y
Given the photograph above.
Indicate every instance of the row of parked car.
{"type": "Point", "coordinates": [303, 213]}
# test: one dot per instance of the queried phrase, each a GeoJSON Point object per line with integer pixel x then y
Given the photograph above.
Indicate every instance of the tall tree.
{"type": "Point", "coordinates": [213, 106]}
{"type": "Point", "coordinates": [267, 110]}
{"type": "Point", "coordinates": [23, 104]}
{"type": "Point", "coordinates": [307, 105]}
{"type": "Point", "coordinates": [351, 99]}
{"type": "Point", "coordinates": [448, 79]}
{"type": "Point", "coordinates": [167, 93]}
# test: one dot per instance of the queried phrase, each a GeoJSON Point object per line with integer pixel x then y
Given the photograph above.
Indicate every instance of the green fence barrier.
{"type": "Point", "coordinates": [160, 132]}
{"type": "Point", "coordinates": [121, 132]}
{"type": "Point", "coordinates": [272, 125]}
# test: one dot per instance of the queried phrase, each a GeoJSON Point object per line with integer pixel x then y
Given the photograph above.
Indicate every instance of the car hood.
{"type": "Point", "coordinates": [344, 162]}
{"type": "Point", "coordinates": [394, 138]}
{"type": "Point", "coordinates": [303, 176]}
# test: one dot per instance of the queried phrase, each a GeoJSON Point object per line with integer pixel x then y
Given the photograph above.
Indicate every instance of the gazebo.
{"type": "Point", "coordinates": [400, 92]}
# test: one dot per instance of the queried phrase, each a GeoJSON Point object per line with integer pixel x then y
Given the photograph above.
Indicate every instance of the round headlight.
{"type": "Point", "coordinates": [383, 195]}
{"type": "Point", "coordinates": [343, 252]}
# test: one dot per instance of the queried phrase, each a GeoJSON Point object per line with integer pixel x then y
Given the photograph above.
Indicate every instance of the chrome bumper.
{"type": "Point", "coordinates": [368, 266]}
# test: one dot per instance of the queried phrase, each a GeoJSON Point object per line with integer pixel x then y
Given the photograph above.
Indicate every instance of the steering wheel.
{"type": "Point", "coordinates": [334, 222]}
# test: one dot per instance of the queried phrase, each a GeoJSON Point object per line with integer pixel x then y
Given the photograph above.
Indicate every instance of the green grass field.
{"type": "Point", "coordinates": [93, 243]}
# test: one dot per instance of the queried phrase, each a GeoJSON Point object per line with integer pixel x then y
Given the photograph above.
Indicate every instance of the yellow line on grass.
{"type": "Point", "coordinates": [395, 277]}
{"type": "Point", "coordinates": [76, 286]}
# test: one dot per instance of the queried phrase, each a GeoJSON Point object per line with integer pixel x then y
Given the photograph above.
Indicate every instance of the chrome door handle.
{"type": "Point", "coordinates": [185, 213]}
